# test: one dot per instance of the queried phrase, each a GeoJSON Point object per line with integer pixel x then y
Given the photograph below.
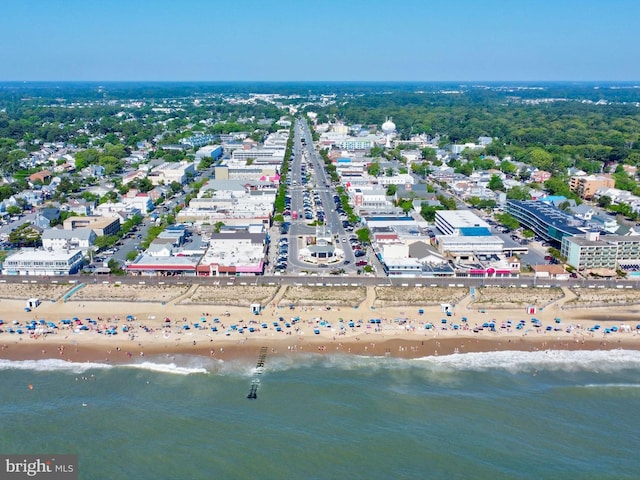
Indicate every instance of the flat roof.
{"type": "Point", "coordinates": [461, 218]}
{"type": "Point", "coordinates": [550, 215]}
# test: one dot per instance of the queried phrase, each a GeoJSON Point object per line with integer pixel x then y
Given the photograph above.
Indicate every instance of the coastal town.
{"type": "Point", "coordinates": [299, 194]}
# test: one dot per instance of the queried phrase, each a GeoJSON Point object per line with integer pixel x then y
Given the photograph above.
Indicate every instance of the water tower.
{"type": "Point", "coordinates": [388, 128]}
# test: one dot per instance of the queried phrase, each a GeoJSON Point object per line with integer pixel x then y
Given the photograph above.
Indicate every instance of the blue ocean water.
{"type": "Point", "coordinates": [487, 415]}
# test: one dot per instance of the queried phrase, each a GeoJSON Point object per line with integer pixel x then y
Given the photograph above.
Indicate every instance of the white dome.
{"type": "Point", "coordinates": [388, 127]}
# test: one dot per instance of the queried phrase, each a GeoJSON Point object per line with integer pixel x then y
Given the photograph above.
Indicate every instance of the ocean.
{"type": "Point", "coordinates": [496, 415]}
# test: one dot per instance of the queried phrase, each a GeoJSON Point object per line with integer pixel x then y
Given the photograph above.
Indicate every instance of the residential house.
{"type": "Point", "coordinates": [60, 239]}
{"type": "Point", "coordinates": [46, 216]}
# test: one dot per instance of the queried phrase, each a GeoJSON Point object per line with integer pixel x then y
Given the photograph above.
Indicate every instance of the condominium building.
{"type": "Point", "coordinates": [586, 185]}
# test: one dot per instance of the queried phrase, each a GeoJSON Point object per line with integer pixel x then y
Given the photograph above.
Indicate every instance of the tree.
{"type": "Point", "coordinates": [25, 236]}
{"type": "Point", "coordinates": [217, 227]}
{"type": "Point", "coordinates": [14, 210]}
{"type": "Point", "coordinates": [464, 169]}
{"type": "Point", "coordinates": [495, 183]}
{"type": "Point", "coordinates": [115, 268]}
{"type": "Point", "coordinates": [391, 190]}
{"type": "Point", "coordinates": [421, 169]}
{"type": "Point", "coordinates": [175, 187]}
{"type": "Point", "coordinates": [508, 168]}
{"type": "Point", "coordinates": [132, 255]}
{"type": "Point", "coordinates": [428, 212]}
{"type": "Point", "coordinates": [364, 235]}
{"type": "Point", "coordinates": [405, 205]}
{"type": "Point", "coordinates": [604, 201]}
{"type": "Point", "coordinates": [528, 233]}
{"type": "Point", "coordinates": [374, 169]}
{"type": "Point", "coordinates": [508, 220]}
{"type": "Point", "coordinates": [428, 154]}
{"type": "Point", "coordinates": [518, 193]}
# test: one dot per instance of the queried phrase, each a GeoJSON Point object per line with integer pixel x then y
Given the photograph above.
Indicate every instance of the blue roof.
{"type": "Point", "coordinates": [475, 232]}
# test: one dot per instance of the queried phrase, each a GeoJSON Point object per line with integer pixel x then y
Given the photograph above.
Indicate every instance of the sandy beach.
{"type": "Point", "coordinates": [217, 321]}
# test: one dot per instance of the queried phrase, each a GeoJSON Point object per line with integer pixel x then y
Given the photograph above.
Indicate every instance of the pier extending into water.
{"type": "Point", "coordinates": [255, 381]}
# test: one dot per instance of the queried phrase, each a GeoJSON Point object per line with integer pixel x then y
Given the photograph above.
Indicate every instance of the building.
{"type": "Point", "coordinates": [553, 272]}
{"type": "Point", "coordinates": [591, 251]}
{"type": "Point", "coordinates": [198, 140]}
{"type": "Point", "coordinates": [169, 172]}
{"type": "Point", "coordinates": [102, 226]}
{"type": "Point", "coordinates": [586, 185]}
{"type": "Point", "coordinates": [212, 151]}
{"type": "Point", "coordinates": [234, 254]}
{"type": "Point", "coordinates": [60, 239]}
{"type": "Point", "coordinates": [450, 222]}
{"type": "Point", "coordinates": [546, 221]}
{"type": "Point", "coordinates": [540, 176]}
{"type": "Point", "coordinates": [43, 176]}
{"type": "Point", "coordinates": [31, 262]}
{"type": "Point", "coordinates": [139, 201]}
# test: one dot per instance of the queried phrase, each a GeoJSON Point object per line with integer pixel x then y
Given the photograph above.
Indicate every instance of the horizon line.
{"type": "Point", "coordinates": [322, 80]}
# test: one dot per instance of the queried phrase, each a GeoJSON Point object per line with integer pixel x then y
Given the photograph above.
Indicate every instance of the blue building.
{"type": "Point", "coordinates": [546, 221]}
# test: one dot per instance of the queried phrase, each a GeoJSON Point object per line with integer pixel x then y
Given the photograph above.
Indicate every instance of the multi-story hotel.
{"type": "Point", "coordinates": [590, 251]}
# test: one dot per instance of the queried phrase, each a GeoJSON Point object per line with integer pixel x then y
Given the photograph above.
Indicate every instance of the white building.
{"type": "Point", "coordinates": [450, 222]}
{"type": "Point", "coordinates": [400, 179]}
{"type": "Point", "coordinates": [169, 172]}
{"type": "Point", "coordinates": [59, 239]}
{"type": "Point", "coordinates": [31, 262]}
{"type": "Point", "coordinates": [139, 201]}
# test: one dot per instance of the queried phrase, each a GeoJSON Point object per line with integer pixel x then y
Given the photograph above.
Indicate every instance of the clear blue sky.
{"type": "Point", "coordinates": [304, 40]}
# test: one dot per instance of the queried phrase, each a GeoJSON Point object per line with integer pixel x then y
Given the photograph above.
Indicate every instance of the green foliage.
{"type": "Point", "coordinates": [391, 190]}
{"type": "Point", "coordinates": [481, 203]}
{"type": "Point", "coordinates": [508, 221]}
{"type": "Point", "coordinates": [428, 154]}
{"type": "Point", "coordinates": [559, 186]}
{"type": "Point", "coordinates": [428, 212]}
{"type": "Point", "coordinates": [421, 168]}
{"type": "Point", "coordinates": [14, 210]}
{"type": "Point", "coordinates": [604, 201]}
{"type": "Point", "coordinates": [518, 193]}
{"type": "Point", "coordinates": [131, 255]}
{"type": "Point", "coordinates": [405, 205]}
{"type": "Point", "coordinates": [25, 236]}
{"type": "Point", "coordinates": [364, 235]}
{"type": "Point", "coordinates": [508, 168]}
{"type": "Point", "coordinates": [495, 183]}
{"type": "Point", "coordinates": [624, 181]}
{"type": "Point", "coordinates": [528, 233]}
{"type": "Point", "coordinates": [448, 203]}
{"type": "Point", "coordinates": [106, 241]}
{"type": "Point", "coordinates": [115, 268]}
{"type": "Point", "coordinates": [374, 169]}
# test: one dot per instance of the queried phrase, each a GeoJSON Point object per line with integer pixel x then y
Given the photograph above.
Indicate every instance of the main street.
{"type": "Point", "coordinates": [307, 160]}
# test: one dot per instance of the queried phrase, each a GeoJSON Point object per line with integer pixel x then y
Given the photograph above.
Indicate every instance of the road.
{"type": "Point", "coordinates": [308, 161]}
{"type": "Point", "coordinates": [330, 280]}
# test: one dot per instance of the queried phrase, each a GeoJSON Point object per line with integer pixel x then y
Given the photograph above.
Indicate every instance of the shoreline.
{"type": "Point", "coordinates": [398, 348]}
{"type": "Point", "coordinates": [123, 331]}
